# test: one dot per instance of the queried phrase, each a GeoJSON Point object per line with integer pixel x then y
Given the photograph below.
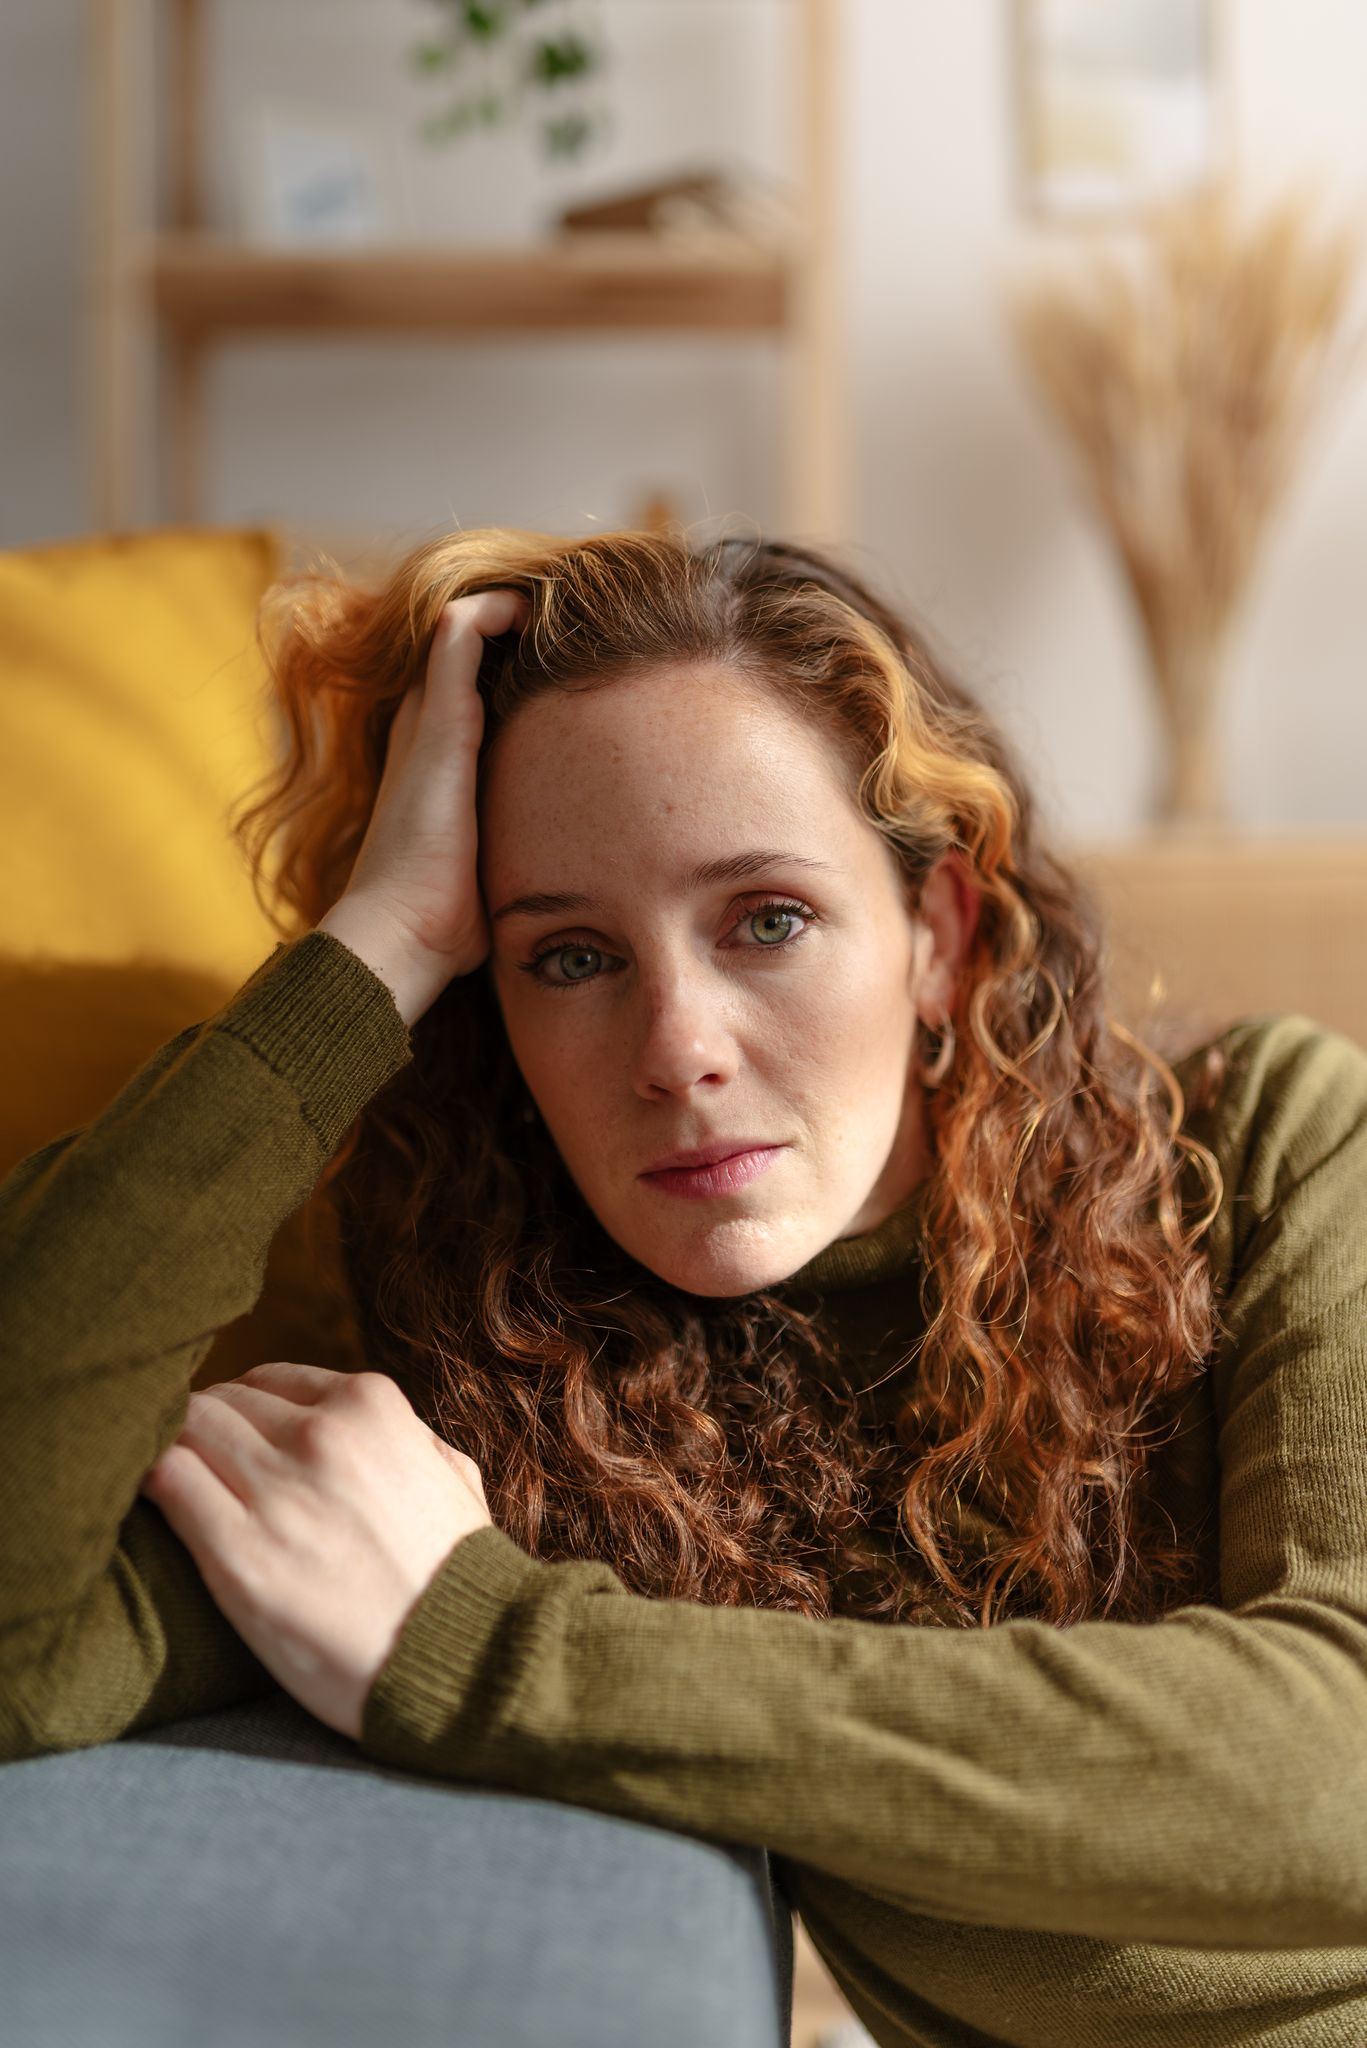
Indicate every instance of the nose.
{"type": "Point", "coordinates": [681, 1034]}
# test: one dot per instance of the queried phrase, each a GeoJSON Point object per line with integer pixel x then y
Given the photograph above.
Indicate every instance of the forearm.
{"type": "Point", "coordinates": [127, 1246]}
{"type": "Point", "coordinates": [144, 1644]}
{"type": "Point", "coordinates": [1197, 1780]}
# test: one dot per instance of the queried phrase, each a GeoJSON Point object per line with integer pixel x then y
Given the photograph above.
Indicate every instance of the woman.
{"type": "Point", "coordinates": [956, 1488]}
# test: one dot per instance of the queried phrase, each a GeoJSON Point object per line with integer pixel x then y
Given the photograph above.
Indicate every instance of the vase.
{"type": "Point", "coordinates": [1188, 683]}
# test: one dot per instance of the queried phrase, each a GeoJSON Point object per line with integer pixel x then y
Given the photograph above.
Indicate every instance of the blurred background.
{"type": "Point", "coordinates": [1046, 314]}
{"type": "Point", "coordinates": [948, 478]}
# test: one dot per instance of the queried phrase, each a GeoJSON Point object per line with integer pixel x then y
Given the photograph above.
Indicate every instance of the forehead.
{"type": "Point", "coordinates": [665, 760]}
{"type": "Point", "coordinates": [662, 727]}
{"type": "Point", "coordinates": [671, 784]}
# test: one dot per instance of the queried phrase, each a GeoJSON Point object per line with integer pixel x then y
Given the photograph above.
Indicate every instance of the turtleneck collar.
{"type": "Point", "coordinates": [877, 1254]}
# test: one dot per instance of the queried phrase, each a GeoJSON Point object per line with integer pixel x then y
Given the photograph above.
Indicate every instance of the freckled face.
{"type": "Point", "coordinates": [666, 1012]}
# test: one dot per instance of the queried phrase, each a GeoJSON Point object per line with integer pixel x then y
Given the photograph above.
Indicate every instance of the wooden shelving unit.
{"type": "Point", "coordinates": [200, 286]}
{"type": "Point", "coordinates": [165, 295]}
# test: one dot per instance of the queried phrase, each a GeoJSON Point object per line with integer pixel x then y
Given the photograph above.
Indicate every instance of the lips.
{"type": "Point", "coordinates": [723, 1178]}
{"type": "Point", "coordinates": [724, 1148]}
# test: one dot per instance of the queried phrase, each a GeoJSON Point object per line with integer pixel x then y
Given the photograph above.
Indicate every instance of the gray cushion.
{"type": "Point", "coordinates": [248, 1879]}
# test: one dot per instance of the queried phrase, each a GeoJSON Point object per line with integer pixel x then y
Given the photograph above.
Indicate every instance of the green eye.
{"type": "Point", "coordinates": [577, 964]}
{"type": "Point", "coordinates": [773, 910]}
{"type": "Point", "coordinates": [580, 964]}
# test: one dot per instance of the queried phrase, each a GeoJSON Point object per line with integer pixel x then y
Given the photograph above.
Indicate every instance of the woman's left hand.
{"type": "Point", "coordinates": [318, 1508]}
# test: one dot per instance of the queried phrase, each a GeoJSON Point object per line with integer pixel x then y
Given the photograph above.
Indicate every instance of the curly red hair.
{"type": "Point", "coordinates": [703, 1447]}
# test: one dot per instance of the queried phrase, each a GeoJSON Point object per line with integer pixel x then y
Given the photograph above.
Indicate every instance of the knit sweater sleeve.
{"type": "Point", "coordinates": [1201, 1779]}
{"type": "Point", "coordinates": [125, 1246]}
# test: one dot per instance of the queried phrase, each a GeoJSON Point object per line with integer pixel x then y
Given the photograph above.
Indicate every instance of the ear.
{"type": "Point", "coordinates": [948, 917]}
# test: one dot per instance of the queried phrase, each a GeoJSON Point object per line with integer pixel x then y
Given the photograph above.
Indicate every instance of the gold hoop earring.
{"type": "Point", "coordinates": [931, 1074]}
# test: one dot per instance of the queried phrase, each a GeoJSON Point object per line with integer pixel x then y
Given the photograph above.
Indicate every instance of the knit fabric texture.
{"type": "Point", "coordinates": [1110, 1835]}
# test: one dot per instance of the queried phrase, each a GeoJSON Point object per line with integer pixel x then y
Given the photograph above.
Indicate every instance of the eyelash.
{"type": "Point", "coordinates": [790, 904]}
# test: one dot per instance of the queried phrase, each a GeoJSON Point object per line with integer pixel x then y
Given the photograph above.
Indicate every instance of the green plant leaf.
{"type": "Point", "coordinates": [485, 19]}
{"type": "Point", "coordinates": [567, 134]}
{"type": "Point", "coordinates": [447, 125]}
{"type": "Point", "coordinates": [429, 57]}
{"type": "Point", "coordinates": [565, 56]}
{"type": "Point", "coordinates": [529, 61]}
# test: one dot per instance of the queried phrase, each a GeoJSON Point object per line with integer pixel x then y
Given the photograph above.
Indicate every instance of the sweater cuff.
{"type": "Point", "coordinates": [322, 1019]}
{"type": "Point", "coordinates": [446, 1652]}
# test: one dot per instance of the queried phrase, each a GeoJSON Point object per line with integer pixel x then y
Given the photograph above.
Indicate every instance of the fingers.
{"type": "Point", "coordinates": [493, 611]}
{"type": "Point", "coordinates": [201, 1479]}
{"type": "Point", "coordinates": [272, 1416]}
{"type": "Point", "coordinates": [224, 1434]}
{"type": "Point", "coordinates": [457, 645]}
{"type": "Point", "coordinates": [455, 654]}
{"type": "Point", "coordinates": [466, 623]}
{"type": "Point", "coordinates": [263, 1403]}
{"type": "Point", "coordinates": [204, 1510]}
{"type": "Point", "coordinates": [239, 1428]}
{"type": "Point", "coordinates": [296, 1382]}
{"type": "Point", "coordinates": [277, 1390]}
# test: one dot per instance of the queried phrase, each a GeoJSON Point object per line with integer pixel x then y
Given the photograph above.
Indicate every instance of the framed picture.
{"type": "Point", "coordinates": [1118, 103]}
{"type": "Point", "coordinates": [310, 177]}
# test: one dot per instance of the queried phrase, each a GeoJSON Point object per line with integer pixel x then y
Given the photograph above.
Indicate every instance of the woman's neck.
{"type": "Point", "coordinates": [890, 1247]}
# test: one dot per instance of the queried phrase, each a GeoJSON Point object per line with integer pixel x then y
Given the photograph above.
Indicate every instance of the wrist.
{"type": "Point", "coordinates": [376, 941]}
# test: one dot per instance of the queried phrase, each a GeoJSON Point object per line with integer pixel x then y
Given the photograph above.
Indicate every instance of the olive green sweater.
{"type": "Point", "coordinates": [1106, 1834]}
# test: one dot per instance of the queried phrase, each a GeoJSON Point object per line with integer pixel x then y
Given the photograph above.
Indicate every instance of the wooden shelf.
{"type": "Point", "coordinates": [203, 285]}
{"type": "Point", "coordinates": [166, 287]}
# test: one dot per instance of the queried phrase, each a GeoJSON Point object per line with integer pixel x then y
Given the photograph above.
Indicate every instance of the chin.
{"type": "Point", "coordinates": [732, 1259]}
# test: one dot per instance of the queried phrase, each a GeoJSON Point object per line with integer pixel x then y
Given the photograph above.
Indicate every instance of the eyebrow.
{"type": "Point", "coordinates": [731, 867]}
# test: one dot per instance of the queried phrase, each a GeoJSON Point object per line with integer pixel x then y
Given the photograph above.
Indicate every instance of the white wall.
{"type": "Point", "coordinates": [966, 505]}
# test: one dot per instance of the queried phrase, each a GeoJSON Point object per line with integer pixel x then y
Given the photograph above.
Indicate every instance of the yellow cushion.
{"type": "Point", "coordinates": [133, 716]}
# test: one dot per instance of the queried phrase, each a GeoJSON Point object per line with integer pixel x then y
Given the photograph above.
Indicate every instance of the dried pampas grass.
{"type": "Point", "coordinates": [1187, 359]}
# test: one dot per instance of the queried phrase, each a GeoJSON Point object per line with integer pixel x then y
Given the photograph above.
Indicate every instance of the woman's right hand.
{"type": "Point", "coordinates": [412, 908]}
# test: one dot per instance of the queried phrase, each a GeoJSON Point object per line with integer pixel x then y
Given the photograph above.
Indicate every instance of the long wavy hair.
{"type": "Point", "coordinates": [704, 1447]}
